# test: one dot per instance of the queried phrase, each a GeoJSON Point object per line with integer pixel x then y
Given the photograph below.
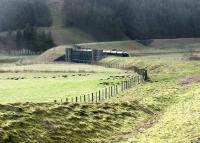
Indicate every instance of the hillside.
{"type": "Point", "coordinates": [48, 56]}
{"type": "Point", "coordinates": [63, 35]}
{"type": "Point", "coordinates": [74, 35]}
{"type": "Point", "coordinates": [178, 43]}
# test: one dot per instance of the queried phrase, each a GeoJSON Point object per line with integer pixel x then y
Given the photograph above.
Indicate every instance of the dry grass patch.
{"type": "Point", "coordinates": [189, 79]}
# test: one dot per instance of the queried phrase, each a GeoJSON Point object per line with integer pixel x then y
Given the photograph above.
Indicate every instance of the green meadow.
{"type": "Point", "coordinates": [50, 82]}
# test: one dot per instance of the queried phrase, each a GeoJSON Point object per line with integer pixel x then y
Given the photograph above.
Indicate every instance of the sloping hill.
{"type": "Point", "coordinates": [176, 43]}
{"type": "Point", "coordinates": [123, 45]}
{"type": "Point", "coordinates": [62, 35]}
{"type": "Point", "coordinates": [48, 56]}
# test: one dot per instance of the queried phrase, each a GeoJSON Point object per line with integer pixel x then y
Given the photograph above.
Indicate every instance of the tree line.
{"type": "Point", "coordinates": [33, 39]}
{"type": "Point", "coordinates": [138, 19]}
{"type": "Point", "coordinates": [21, 19]}
{"type": "Point", "coordinates": [15, 14]}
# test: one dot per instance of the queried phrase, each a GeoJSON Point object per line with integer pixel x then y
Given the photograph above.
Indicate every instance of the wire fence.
{"type": "Point", "coordinates": [107, 92]}
{"type": "Point", "coordinates": [139, 71]}
{"type": "Point", "coordinates": [112, 90]}
{"type": "Point", "coordinates": [20, 52]}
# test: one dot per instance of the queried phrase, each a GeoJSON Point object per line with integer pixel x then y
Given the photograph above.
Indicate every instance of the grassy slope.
{"type": "Point", "coordinates": [123, 45]}
{"type": "Point", "coordinates": [177, 120]}
{"type": "Point", "coordinates": [71, 123]}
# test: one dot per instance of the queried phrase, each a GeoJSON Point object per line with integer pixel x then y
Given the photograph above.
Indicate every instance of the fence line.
{"type": "Point", "coordinates": [126, 67]}
{"type": "Point", "coordinates": [107, 92]}
{"type": "Point", "coordinates": [113, 90]}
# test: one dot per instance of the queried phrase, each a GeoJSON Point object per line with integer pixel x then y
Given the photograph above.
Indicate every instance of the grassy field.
{"type": "Point", "coordinates": [49, 82]}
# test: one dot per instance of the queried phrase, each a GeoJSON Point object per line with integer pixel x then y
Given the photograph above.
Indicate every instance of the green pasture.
{"type": "Point", "coordinates": [46, 83]}
{"type": "Point", "coordinates": [176, 119]}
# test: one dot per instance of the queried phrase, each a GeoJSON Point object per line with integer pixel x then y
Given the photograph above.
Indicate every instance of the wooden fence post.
{"type": "Point", "coordinates": [145, 75]}
{"type": "Point", "coordinates": [108, 92]}
{"type": "Point", "coordinates": [96, 97]}
{"type": "Point", "coordinates": [76, 99]}
{"type": "Point", "coordinates": [111, 91]}
{"type": "Point", "coordinates": [66, 99]}
{"type": "Point", "coordinates": [102, 96]}
{"type": "Point", "coordinates": [104, 93]}
{"type": "Point", "coordinates": [84, 98]}
{"type": "Point", "coordinates": [92, 97]}
{"type": "Point", "coordinates": [99, 95]}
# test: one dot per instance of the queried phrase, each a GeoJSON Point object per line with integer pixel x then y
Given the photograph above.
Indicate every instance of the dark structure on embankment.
{"type": "Point", "coordinates": [90, 55]}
